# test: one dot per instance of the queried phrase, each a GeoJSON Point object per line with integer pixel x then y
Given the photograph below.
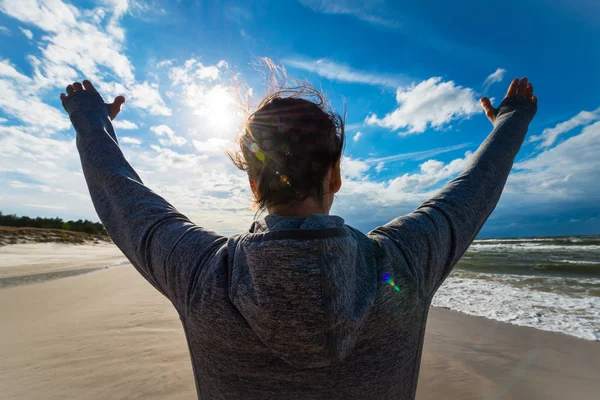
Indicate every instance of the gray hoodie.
{"type": "Point", "coordinates": [297, 308]}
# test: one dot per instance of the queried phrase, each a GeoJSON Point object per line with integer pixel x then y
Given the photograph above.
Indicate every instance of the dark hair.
{"type": "Point", "coordinates": [289, 143]}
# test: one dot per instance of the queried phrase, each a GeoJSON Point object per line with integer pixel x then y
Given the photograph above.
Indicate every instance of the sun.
{"type": "Point", "coordinates": [221, 111]}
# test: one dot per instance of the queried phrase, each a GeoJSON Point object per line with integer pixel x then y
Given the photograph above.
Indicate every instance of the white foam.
{"type": "Point", "coordinates": [576, 316]}
{"type": "Point", "coordinates": [526, 246]}
{"type": "Point", "coordinates": [517, 240]}
{"type": "Point", "coordinates": [577, 261]}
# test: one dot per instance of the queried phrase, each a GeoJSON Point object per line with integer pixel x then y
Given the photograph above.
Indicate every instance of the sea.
{"type": "Point", "coordinates": [547, 283]}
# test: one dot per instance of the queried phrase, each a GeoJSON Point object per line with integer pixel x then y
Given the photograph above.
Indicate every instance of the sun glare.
{"type": "Point", "coordinates": [221, 112]}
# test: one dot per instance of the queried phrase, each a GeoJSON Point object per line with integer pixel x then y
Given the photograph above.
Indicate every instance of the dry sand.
{"type": "Point", "coordinates": [109, 335]}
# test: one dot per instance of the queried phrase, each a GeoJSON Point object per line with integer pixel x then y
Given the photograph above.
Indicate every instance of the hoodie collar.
{"type": "Point", "coordinates": [276, 222]}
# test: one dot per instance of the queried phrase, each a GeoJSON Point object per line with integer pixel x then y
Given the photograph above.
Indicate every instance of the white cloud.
{"type": "Point", "coordinates": [353, 169]}
{"type": "Point", "coordinates": [147, 10]}
{"type": "Point", "coordinates": [83, 43]}
{"type": "Point", "coordinates": [48, 206]}
{"type": "Point", "coordinates": [5, 31]}
{"type": "Point", "coordinates": [345, 7]}
{"type": "Point", "coordinates": [495, 77]}
{"type": "Point", "coordinates": [147, 97]}
{"type": "Point", "coordinates": [193, 70]}
{"type": "Point", "coordinates": [164, 63]}
{"type": "Point", "coordinates": [3, 120]}
{"type": "Point", "coordinates": [41, 170]}
{"type": "Point", "coordinates": [432, 103]}
{"type": "Point", "coordinates": [130, 140]}
{"type": "Point", "coordinates": [26, 32]}
{"type": "Point", "coordinates": [75, 39]}
{"type": "Point", "coordinates": [357, 136]}
{"type": "Point", "coordinates": [431, 173]}
{"type": "Point", "coordinates": [7, 70]}
{"type": "Point", "coordinates": [171, 138]}
{"type": "Point", "coordinates": [339, 72]}
{"type": "Point", "coordinates": [387, 199]}
{"type": "Point", "coordinates": [380, 167]}
{"type": "Point", "coordinates": [212, 145]}
{"type": "Point", "coordinates": [124, 124]}
{"type": "Point", "coordinates": [19, 101]}
{"type": "Point", "coordinates": [51, 16]}
{"type": "Point", "coordinates": [566, 172]}
{"type": "Point", "coordinates": [549, 135]}
{"type": "Point", "coordinates": [419, 155]}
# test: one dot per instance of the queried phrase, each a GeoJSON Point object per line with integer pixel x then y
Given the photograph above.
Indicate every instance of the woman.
{"type": "Point", "coordinates": [301, 306]}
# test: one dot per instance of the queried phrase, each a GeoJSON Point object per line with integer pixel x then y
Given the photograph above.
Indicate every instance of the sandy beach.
{"type": "Point", "coordinates": [109, 334]}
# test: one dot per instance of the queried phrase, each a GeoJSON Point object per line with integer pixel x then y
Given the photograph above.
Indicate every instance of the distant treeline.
{"type": "Point", "coordinates": [86, 226]}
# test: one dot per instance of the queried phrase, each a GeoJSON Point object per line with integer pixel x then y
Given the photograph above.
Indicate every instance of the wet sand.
{"type": "Point", "coordinates": [109, 334]}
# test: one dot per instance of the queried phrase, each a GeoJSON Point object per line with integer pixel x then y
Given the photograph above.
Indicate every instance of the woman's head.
{"type": "Point", "coordinates": [291, 148]}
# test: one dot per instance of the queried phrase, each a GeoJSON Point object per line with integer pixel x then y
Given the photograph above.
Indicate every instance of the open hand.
{"type": "Point", "coordinates": [517, 87]}
{"type": "Point", "coordinates": [113, 108]}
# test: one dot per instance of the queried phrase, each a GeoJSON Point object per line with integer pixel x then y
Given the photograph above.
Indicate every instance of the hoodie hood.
{"type": "Point", "coordinates": [304, 286]}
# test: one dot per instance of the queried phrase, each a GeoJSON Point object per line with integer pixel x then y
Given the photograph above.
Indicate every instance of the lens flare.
{"type": "Point", "coordinates": [387, 278]}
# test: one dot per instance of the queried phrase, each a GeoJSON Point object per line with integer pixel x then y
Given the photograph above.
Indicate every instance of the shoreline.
{"type": "Point", "coordinates": [32, 279]}
{"type": "Point", "coordinates": [35, 263]}
{"type": "Point", "coordinates": [30, 259]}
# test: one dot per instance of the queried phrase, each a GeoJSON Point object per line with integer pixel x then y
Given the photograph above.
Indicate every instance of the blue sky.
{"type": "Point", "coordinates": [409, 73]}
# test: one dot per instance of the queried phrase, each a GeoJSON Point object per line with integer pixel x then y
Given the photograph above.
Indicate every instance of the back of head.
{"type": "Point", "coordinates": [288, 145]}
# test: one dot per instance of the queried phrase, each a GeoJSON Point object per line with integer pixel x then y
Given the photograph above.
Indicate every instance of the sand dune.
{"type": "Point", "coordinates": [109, 335]}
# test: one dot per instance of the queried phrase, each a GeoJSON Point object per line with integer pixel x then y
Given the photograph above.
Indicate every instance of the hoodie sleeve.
{"type": "Point", "coordinates": [162, 244]}
{"type": "Point", "coordinates": [432, 239]}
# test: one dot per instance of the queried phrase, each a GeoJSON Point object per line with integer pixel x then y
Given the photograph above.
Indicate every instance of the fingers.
{"type": "Point", "coordinates": [75, 87]}
{"type": "Point", "coordinates": [523, 87]}
{"type": "Point", "coordinates": [115, 107]}
{"type": "Point", "coordinates": [119, 100]}
{"type": "Point", "coordinates": [512, 89]}
{"type": "Point", "coordinates": [88, 85]}
{"type": "Point", "coordinates": [530, 94]}
{"type": "Point", "coordinates": [488, 108]}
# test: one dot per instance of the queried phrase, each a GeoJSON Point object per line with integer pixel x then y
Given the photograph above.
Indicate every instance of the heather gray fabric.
{"type": "Point", "coordinates": [296, 308]}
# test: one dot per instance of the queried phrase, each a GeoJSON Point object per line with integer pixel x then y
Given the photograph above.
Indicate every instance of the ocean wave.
{"type": "Point", "coordinates": [576, 286]}
{"type": "Point", "coordinates": [557, 312]}
{"type": "Point", "coordinates": [556, 239]}
{"type": "Point", "coordinates": [577, 262]}
{"type": "Point", "coordinates": [526, 246]}
{"type": "Point", "coordinates": [517, 240]}
{"type": "Point", "coordinates": [549, 266]}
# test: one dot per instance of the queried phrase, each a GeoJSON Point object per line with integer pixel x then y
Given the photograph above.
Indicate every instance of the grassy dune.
{"type": "Point", "coordinates": [11, 235]}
